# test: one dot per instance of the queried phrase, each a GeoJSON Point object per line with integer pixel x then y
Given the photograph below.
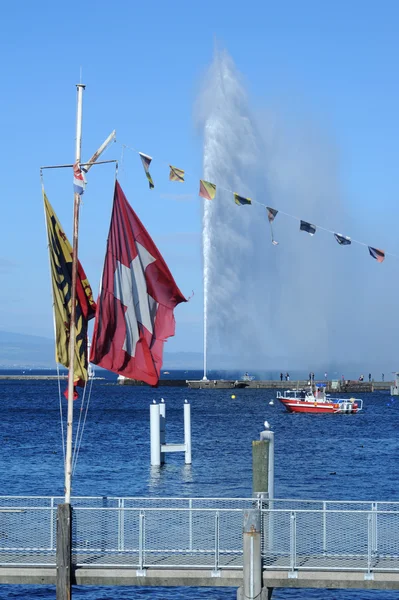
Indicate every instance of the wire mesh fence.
{"type": "Point", "coordinates": [202, 533]}
{"type": "Point", "coordinates": [331, 540]}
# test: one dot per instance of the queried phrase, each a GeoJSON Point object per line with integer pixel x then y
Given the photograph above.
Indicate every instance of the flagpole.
{"type": "Point", "coordinates": [68, 460]}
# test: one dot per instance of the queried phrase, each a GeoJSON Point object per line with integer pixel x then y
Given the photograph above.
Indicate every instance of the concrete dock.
{"type": "Point", "coordinates": [332, 387]}
{"type": "Point", "coordinates": [346, 387]}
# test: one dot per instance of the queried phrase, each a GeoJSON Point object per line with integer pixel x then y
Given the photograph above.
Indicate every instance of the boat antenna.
{"type": "Point", "coordinates": [68, 459]}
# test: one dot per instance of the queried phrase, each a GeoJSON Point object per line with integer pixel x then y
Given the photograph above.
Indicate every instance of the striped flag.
{"type": "Point", "coordinates": [79, 182]}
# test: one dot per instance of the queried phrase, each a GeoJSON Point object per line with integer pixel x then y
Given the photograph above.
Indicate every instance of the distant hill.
{"type": "Point", "coordinates": [21, 350]}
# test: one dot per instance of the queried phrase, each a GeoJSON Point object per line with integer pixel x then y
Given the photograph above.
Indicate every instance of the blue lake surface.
{"type": "Point", "coordinates": [317, 457]}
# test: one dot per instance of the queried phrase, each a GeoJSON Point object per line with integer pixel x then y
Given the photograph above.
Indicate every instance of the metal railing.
{"type": "Point", "coordinates": [331, 540]}
{"type": "Point", "coordinates": [183, 533]}
{"type": "Point", "coordinates": [130, 532]}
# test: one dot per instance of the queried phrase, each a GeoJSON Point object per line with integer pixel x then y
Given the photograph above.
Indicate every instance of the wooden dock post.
{"type": "Point", "coordinates": [263, 464]}
{"type": "Point", "coordinates": [260, 471]}
{"type": "Point", "coordinates": [64, 552]}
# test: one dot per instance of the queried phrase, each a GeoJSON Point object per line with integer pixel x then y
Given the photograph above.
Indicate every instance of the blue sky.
{"type": "Point", "coordinates": [334, 63]}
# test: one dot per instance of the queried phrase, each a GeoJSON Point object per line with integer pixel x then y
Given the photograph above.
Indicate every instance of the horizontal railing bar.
{"type": "Point", "coordinates": [160, 567]}
{"type": "Point", "coordinates": [28, 564]}
{"type": "Point", "coordinates": [156, 509]}
{"type": "Point", "coordinates": [250, 498]}
{"type": "Point", "coordinates": [246, 498]}
{"type": "Point", "coordinates": [335, 510]}
{"type": "Point", "coordinates": [86, 550]}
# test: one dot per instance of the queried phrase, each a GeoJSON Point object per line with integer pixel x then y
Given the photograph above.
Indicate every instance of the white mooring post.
{"type": "Point", "coordinates": [155, 434]}
{"type": "Point", "coordinates": [162, 410]}
{"type": "Point", "coordinates": [268, 436]}
{"type": "Point", "coordinates": [159, 447]}
{"type": "Point", "coordinates": [187, 432]}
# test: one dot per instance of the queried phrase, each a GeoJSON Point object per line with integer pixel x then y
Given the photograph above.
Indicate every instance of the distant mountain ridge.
{"type": "Point", "coordinates": [23, 350]}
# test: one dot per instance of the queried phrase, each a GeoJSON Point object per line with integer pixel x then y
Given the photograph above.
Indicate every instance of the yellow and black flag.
{"type": "Point", "coordinates": [60, 252]}
{"type": "Point", "coordinates": [207, 189]}
{"type": "Point", "coordinates": [146, 160]}
{"type": "Point", "coordinates": [241, 200]}
{"type": "Point", "coordinates": [176, 174]}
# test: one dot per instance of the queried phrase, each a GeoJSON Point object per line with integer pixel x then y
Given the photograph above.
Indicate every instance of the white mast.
{"type": "Point", "coordinates": [68, 458]}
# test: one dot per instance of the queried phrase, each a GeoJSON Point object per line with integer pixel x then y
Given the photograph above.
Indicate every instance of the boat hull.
{"type": "Point", "coordinates": [297, 406]}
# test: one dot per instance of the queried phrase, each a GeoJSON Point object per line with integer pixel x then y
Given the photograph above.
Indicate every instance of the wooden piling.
{"type": "Point", "coordinates": [260, 467]}
{"type": "Point", "coordinates": [64, 552]}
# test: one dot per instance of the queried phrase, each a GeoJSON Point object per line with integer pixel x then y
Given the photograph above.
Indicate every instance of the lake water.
{"type": "Point", "coordinates": [317, 457]}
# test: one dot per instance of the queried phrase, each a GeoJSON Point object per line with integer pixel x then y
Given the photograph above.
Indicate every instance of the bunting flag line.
{"type": "Point", "coordinates": [241, 200]}
{"type": "Point", "coordinates": [308, 227]}
{"type": "Point", "coordinates": [79, 181]}
{"type": "Point", "coordinates": [176, 174]}
{"type": "Point", "coordinates": [60, 252]}
{"type": "Point", "coordinates": [271, 215]}
{"type": "Point", "coordinates": [138, 294]}
{"type": "Point", "coordinates": [146, 160]}
{"type": "Point", "coordinates": [343, 240]}
{"type": "Point", "coordinates": [207, 190]}
{"type": "Point", "coordinates": [379, 255]}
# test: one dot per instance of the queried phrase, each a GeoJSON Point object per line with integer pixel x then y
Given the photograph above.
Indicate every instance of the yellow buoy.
{"type": "Point", "coordinates": [232, 396]}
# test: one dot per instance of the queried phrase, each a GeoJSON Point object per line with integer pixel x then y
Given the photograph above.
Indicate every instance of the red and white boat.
{"type": "Point", "coordinates": [315, 400]}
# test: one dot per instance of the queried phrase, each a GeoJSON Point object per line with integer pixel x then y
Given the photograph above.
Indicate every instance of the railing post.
{"type": "Point", "coordinates": [216, 571]}
{"type": "Point", "coordinates": [324, 527]}
{"type": "Point", "coordinates": [252, 560]}
{"type": "Point", "coordinates": [121, 524]}
{"type": "Point", "coordinates": [52, 523]}
{"type": "Point", "coordinates": [369, 574]}
{"type": "Point", "coordinates": [141, 570]}
{"type": "Point", "coordinates": [374, 527]}
{"type": "Point", "coordinates": [293, 573]}
{"type": "Point", "coordinates": [64, 552]}
{"type": "Point", "coordinates": [190, 523]}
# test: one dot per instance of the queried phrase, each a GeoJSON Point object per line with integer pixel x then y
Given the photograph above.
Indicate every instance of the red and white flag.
{"type": "Point", "coordinates": [138, 294]}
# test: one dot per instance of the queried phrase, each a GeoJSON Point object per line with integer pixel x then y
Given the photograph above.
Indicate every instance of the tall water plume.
{"type": "Point", "coordinates": [231, 265]}
{"type": "Point", "coordinates": [261, 302]}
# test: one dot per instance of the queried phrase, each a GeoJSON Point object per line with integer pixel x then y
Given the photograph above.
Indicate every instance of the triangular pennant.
{"type": "Point", "coordinates": [150, 181]}
{"type": "Point", "coordinates": [343, 240]}
{"type": "Point", "coordinates": [271, 213]}
{"type": "Point", "coordinates": [379, 255]}
{"type": "Point", "coordinates": [308, 227]}
{"type": "Point", "coordinates": [176, 174]}
{"type": "Point", "coordinates": [207, 190]}
{"type": "Point", "coordinates": [241, 200]}
{"type": "Point", "coordinates": [146, 160]}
